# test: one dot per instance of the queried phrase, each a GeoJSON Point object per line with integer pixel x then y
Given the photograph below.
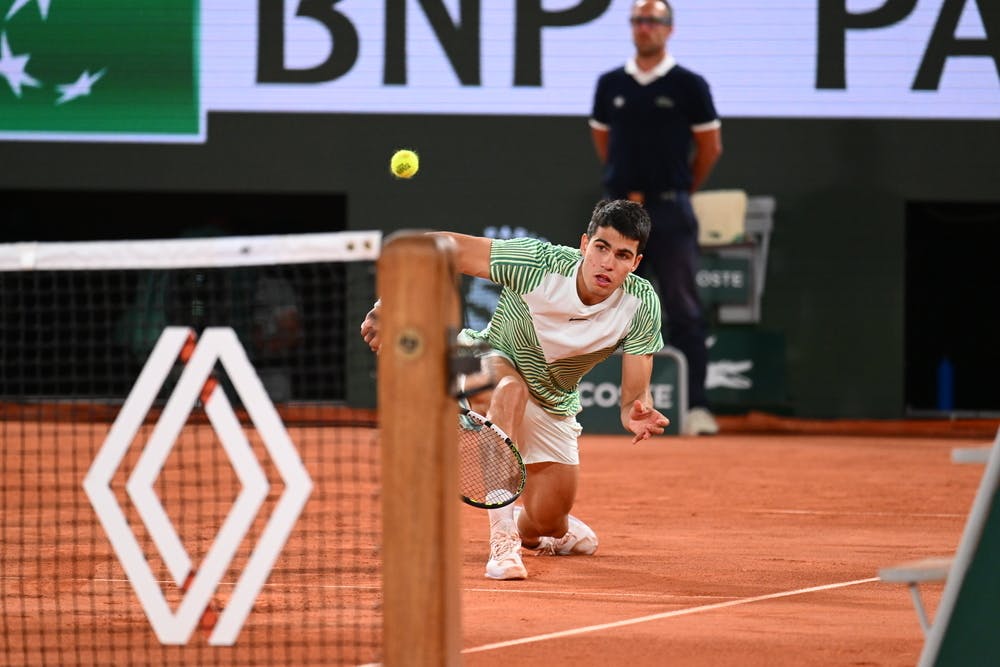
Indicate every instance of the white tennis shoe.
{"type": "Point", "coordinates": [579, 540]}
{"type": "Point", "coordinates": [699, 421]}
{"type": "Point", "coordinates": [505, 554]}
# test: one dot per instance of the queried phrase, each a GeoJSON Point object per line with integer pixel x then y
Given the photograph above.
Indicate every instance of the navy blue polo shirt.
{"type": "Point", "coordinates": [649, 145]}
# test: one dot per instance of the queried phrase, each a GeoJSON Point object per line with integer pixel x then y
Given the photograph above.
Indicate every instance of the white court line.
{"type": "Point", "coordinates": [666, 614]}
{"type": "Point", "coordinates": [504, 590]}
{"type": "Point", "coordinates": [909, 515]}
{"type": "Point", "coordinates": [360, 587]}
{"type": "Point", "coordinates": [595, 594]}
{"type": "Point", "coordinates": [602, 626]}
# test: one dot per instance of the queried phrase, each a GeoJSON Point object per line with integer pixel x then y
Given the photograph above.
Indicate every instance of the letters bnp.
{"type": "Point", "coordinates": [460, 37]}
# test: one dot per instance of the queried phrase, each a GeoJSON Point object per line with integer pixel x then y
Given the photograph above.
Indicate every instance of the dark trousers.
{"type": "Point", "coordinates": [671, 260]}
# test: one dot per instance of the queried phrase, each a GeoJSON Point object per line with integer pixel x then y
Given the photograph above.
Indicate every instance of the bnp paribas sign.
{"type": "Point", "coordinates": [152, 70]}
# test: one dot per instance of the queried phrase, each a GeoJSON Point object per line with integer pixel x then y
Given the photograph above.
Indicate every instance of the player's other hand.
{"type": "Point", "coordinates": [369, 328]}
{"type": "Point", "coordinates": [645, 422]}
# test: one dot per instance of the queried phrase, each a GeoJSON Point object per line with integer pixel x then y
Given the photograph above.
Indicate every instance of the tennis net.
{"type": "Point", "coordinates": [191, 470]}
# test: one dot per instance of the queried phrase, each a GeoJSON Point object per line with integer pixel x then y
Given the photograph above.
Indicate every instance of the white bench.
{"type": "Point", "coordinates": [913, 573]}
{"type": "Point", "coordinates": [973, 595]}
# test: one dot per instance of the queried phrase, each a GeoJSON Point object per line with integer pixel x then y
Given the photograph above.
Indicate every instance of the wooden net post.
{"type": "Point", "coordinates": [417, 423]}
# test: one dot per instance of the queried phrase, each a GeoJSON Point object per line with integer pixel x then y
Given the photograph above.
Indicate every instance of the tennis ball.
{"type": "Point", "coordinates": [404, 164]}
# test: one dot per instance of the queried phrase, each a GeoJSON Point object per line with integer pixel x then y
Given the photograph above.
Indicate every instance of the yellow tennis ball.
{"type": "Point", "coordinates": [404, 164]}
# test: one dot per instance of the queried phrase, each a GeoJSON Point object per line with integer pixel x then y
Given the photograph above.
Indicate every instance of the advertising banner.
{"type": "Point", "coordinates": [600, 393]}
{"type": "Point", "coordinates": [151, 70]}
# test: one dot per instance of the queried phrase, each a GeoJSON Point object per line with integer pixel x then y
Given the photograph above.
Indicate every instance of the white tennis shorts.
{"type": "Point", "coordinates": [548, 437]}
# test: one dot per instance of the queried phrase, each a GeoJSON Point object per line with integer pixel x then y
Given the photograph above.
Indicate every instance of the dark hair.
{"type": "Point", "coordinates": [628, 218]}
{"type": "Point", "coordinates": [670, 10]}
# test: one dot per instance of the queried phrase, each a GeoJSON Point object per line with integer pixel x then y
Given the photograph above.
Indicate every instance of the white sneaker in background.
{"type": "Point", "coordinates": [505, 554]}
{"type": "Point", "coordinates": [699, 421]}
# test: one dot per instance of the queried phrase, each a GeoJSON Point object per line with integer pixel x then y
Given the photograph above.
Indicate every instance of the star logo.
{"type": "Point", "coordinates": [12, 68]}
{"type": "Point", "coordinates": [43, 8]}
{"type": "Point", "coordinates": [75, 71]}
{"type": "Point", "coordinates": [79, 88]}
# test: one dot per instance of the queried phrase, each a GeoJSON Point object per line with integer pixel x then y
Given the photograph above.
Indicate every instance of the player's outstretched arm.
{"type": "Point", "coordinates": [472, 253]}
{"type": "Point", "coordinates": [472, 256]}
{"type": "Point", "coordinates": [638, 415]}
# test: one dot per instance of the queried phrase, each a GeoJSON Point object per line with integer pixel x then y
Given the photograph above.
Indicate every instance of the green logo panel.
{"type": "Point", "coordinates": [108, 67]}
{"type": "Point", "coordinates": [600, 393]}
{"type": "Point", "coordinates": [723, 279]}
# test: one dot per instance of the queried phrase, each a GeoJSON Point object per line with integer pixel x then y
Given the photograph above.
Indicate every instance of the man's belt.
{"type": "Point", "coordinates": [661, 195]}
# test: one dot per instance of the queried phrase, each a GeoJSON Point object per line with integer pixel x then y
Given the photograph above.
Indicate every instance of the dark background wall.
{"type": "Point", "coordinates": [836, 276]}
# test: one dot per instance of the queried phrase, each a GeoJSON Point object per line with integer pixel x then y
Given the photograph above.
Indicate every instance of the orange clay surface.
{"type": "Point", "coordinates": [743, 549]}
{"type": "Point", "coordinates": [731, 550]}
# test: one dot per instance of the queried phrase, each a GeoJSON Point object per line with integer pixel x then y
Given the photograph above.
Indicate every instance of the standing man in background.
{"type": "Point", "coordinates": [657, 133]}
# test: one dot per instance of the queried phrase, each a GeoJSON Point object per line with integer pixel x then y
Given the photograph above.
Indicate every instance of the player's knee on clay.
{"type": "Point", "coordinates": [554, 526]}
{"type": "Point", "coordinates": [551, 524]}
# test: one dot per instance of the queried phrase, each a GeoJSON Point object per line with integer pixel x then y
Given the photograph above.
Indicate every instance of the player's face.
{"type": "Point", "coordinates": [649, 34]}
{"type": "Point", "coordinates": [608, 258]}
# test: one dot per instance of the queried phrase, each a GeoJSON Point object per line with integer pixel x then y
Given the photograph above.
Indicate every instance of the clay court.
{"type": "Point", "coordinates": [733, 550]}
{"type": "Point", "coordinates": [743, 549]}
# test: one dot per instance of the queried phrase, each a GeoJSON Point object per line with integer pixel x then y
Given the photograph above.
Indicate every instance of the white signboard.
{"type": "Point", "coordinates": [66, 72]}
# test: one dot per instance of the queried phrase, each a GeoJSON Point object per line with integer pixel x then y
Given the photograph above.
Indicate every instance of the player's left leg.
{"type": "Point", "coordinates": [551, 455]}
{"type": "Point", "coordinates": [548, 497]}
{"type": "Point", "coordinates": [545, 523]}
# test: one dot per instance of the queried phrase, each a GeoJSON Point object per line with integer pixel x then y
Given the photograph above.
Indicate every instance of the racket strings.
{"type": "Point", "coordinates": [491, 473]}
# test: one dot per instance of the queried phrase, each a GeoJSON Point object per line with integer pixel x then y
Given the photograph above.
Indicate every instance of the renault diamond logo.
{"type": "Point", "coordinates": [216, 345]}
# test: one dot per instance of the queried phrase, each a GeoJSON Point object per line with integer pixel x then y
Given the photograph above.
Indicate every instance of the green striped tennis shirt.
{"type": "Point", "coordinates": [552, 337]}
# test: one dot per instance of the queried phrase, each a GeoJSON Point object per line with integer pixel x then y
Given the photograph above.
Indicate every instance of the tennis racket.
{"type": "Point", "coordinates": [490, 470]}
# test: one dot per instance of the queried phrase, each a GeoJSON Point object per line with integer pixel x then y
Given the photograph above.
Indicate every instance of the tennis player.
{"type": "Point", "coordinates": [561, 311]}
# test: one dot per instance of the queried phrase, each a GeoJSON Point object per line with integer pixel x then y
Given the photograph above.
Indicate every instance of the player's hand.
{"type": "Point", "coordinates": [369, 328]}
{"type": "Point", "coordinates": [645, 422]}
